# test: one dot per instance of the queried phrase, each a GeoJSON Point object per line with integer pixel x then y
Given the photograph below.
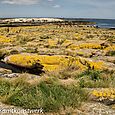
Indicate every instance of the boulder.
{"type": "Point", "coordinates": [51, 63]}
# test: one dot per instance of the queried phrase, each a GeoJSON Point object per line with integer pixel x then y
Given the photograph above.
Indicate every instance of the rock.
{"type": "Point", "coordinates": [5, 71]}
{"type": "Point", "coordinates": [23, 60]}
{"type": "Point", "coordinates": [12, 75]}
{"type": "Point", "coordinates": [85, 46]}
{"type": "Point", "coordinates": [103, 95]}
{"type": "Point", "coordinates": [107, 58]}
{"type": "Point", "coordinates": [97, 109]}
{"type": "Point", "coordinates": [50, 63]}
{"type": "Point", "coordinates": [13, 50]}
{"type": "Point", "coordinates": [18, 64]}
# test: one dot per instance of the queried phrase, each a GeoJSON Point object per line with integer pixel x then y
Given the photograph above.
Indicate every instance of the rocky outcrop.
{"type": "Point", "coordinates": [51, 63]}
{"type": "Point", "coordinates": [30, 61]}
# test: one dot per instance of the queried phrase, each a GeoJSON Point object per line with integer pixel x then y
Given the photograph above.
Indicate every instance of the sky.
{"type": "Point", "coordinates": [104, 9]}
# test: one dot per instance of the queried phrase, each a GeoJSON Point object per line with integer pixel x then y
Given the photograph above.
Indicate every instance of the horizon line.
{"type": "Point", "coordinates": [54, 17]}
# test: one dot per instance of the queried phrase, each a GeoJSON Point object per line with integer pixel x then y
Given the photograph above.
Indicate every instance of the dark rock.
{"type": "Point", "coordinates": [37, 69]}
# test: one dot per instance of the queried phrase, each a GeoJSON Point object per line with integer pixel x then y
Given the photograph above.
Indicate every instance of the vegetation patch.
{"type": "Point", "coordinates": [49, 94]}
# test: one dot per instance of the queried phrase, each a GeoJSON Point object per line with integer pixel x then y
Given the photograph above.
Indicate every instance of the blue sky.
{"type": "Point", "coordinates": [58, 8]}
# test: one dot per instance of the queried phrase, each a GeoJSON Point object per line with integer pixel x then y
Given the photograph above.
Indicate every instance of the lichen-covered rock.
{"type": "Point", "coordinates": [29, 60]}
{"type": "Point", "coordinates": [52, 63]}
{"type": "Point", "coordinates": [92, 64]}
{"type": "Point", "coordinates": [24, 60]}
{"type": "Point", "coordinates": [85, 46]}
{"type": "Point", "coordinates": [106, 95]}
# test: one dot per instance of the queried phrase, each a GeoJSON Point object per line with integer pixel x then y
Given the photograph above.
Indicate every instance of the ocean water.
{"type": "Point", "coordinates": [104, 23]}
{"type": "Point", "coordinates": [101, 23]}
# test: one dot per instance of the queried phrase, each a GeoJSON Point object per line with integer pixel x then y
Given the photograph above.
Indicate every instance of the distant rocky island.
{"type": "Point", "coordinates": [14, 20]}
{"type": "Point", "coordinates": [40, 21]}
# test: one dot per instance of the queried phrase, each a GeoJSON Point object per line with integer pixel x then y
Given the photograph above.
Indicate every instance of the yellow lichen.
{"type": "Point", "coordinates": [56, 62]}
{"type": "Point", "coordinates": [22, 60]}
{"type": "Point", "coordinates": [96, 65]}
{"type": "Point", "coordinates": [4, 39]}
{"type": "Point", "coordinates": [85, 46]}
{"type": "Point", "coordinates": [112, 48]}
{"type": "Point", "coordinates": [95, 93]}
{"type": "Point", "coordinates": [50, 63]}
{"type": "Point", "coordinates": [104, 93]}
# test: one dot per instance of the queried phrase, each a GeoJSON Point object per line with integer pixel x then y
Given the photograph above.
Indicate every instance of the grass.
{"type": "Point", "coordinates": [111, 53]}
{"type": "Point", "coordinates": [50, 94]}
{"type": "Point", "coordinates": [47, 94]}
{"type": "Point", "coordinates": [96, 79]}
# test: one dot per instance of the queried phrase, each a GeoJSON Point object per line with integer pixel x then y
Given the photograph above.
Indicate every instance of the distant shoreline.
{"type": "Point", "coordinates": [100, 23]}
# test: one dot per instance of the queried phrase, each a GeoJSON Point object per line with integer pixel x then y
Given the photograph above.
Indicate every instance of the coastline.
{"type": "Point", "coordinates": [99, 23]}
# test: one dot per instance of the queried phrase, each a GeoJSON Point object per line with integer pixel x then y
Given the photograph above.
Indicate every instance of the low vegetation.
{"type": "Point", "coordinates": [78, 66]}
{"type": "Point", "coordinates": [48, 94]}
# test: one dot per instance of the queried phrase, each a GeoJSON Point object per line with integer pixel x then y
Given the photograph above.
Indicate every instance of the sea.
{"type": "Point", "coordinates": [101, 23]}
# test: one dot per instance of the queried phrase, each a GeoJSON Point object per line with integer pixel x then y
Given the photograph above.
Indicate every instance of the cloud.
{"type": "Point", "coordinates": [20, 2]}
{"type": "Point", "coordinates": [68, 8]}
{"type": "Point", "coordinates": [56, 6]}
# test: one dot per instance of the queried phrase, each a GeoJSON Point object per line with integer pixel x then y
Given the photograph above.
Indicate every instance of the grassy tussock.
{"type": "Point", "coordinates": [48, 94]}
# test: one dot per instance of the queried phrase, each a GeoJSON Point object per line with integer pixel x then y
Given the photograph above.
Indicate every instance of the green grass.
{"type": "Point", "coordinates": [96, 79]}
{"type": "Point", "coordinates": [49, 95]}
{"type": "Point", "coordinates": [111, 53]}
{"type": "Point", "coordinates": [93, 74]}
